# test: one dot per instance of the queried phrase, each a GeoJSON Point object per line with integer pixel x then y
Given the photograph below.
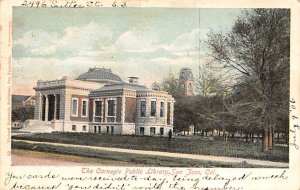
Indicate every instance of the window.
{"type": "Point", "coordinates": [84, 108]}
{"type": "Point", "coordinates": [152, 130]}
{"type": "Point", "coordinates": [99, 129]}
{"type": "Point", "coordinates": [111, 108]}
{"type": "Point", "coordinates": [98, 111]}
{"type": "Point", "coordinates": [95, 129]}
{"type": "Point", "coordinates": [111, 111]}
{"type": "Point", "coordinates": [112, 131]}
{"type": "Point", "coordinates": [143, 108]}
{"type": "Point", "coordinates": [161, 131]}
{"type": "Point", "coordinates": [74, 107]}
{"type": "Point", "coordinates": [107, 129]}
{"type": "Point", "coordinates": [83, 128]}
{"type": "Point", "coordinates": [142, 130]}
{"type": "Point", "coordinates": [153, 108]}
{"type": "Point", "coordinates": [73, 127]}
{"type": "Point", "coordinates": [190, 87]}
{"type": "Point", "coordinates": [162, 108]}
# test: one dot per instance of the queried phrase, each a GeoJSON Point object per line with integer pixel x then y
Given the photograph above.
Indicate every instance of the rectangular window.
{"type": "Point", "coordinates": [98, 111]}
{"type": "Point", "coordinates": [162, 108]}
{"type": "Point", "coordinates": [95, 129]}
{"type": "Point", "coordinates": [107, 129]}
{"type": "Point", "coordinates": [110, 119]}
{"type": "Point", "coordinates": [99, 129]}
{"type": "Point", "coordinates": [112, 130]}
{"type": "Point", "coordinates": [111, 108]}
{"type": "Point", "coordinates": [83, 128]}
{"type": "Point", "coordinates": [143, 108]}
{"type": "Point", "coordinates": [84, 108]}
{"type": "Point", "coordinates": [73, 127]}
{"type": "Point", "coordinates": [142, 130]}
{"type": "Point", "coordinates": [153, 108]}
{"type": "Point", "coordinates": [161, 131]}
{"type": "Point", "coordinates": [152, 130]}
{"type": "Point", "coordinates": [75, 107]}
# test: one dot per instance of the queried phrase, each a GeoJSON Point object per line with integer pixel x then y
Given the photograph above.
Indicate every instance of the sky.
{"type": "Point", "coordinates": [149, 43]}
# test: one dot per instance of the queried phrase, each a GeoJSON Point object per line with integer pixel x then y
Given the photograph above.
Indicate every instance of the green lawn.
{"type": "Point", "coordinates": [126, 159]}
{"type": "Point", "coordinates": [197, 145]}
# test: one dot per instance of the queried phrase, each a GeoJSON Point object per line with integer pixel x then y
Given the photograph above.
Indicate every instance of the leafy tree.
{"type": "Point", "coordinates": [203, 112]}
{"type": "Point", "coordinates": [23, 113]}
{"type": "Point", "coordinates": [184, 114]}
{"type": "Point", "coordinates": [257, 48]}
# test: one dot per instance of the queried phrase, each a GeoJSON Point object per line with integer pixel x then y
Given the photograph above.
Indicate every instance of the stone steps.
{"type": "Point", "coordinates": [40, 127]}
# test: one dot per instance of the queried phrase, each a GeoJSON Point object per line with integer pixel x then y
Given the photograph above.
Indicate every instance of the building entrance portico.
{"type": "Point", "coordinates": [50, 107]}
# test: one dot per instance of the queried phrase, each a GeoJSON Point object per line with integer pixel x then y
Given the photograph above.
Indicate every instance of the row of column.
{"type": "Point", "coordinates": [50, 107]}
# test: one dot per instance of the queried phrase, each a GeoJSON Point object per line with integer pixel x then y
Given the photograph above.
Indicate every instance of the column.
{"type": "Point", "coordinates": [55, 99]}
{"type": "Point", "coordinates": [62, 106]}
{"type": "Point", "coordinates": [40, 107]}
{"type": "Point", "coordinates": [165, 111]}
{"type": "Point", "coordinates": [93, 110]}
{"type": "Point", "coordinates": [123, 108]}
{"type": "Point", "coordinates": [105, 107]}
{"type": "Point", "coordinates": [46, 107]}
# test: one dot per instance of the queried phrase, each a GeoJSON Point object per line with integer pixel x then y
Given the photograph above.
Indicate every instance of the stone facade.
{"type": "Point", "coordinates": [157, 107]}
{"type": "Point", "coordinates": [53, 101]}
{"type": "Point", "coordinates": [116, 108]}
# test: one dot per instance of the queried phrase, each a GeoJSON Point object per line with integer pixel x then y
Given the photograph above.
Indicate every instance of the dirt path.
{"type": "Point", "coordinates": [173, 155]}
{"type": "Point", "coordinates": [32, 158]}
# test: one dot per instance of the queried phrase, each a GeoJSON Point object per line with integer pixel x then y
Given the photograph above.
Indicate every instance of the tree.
{"type": "Point", "coordinates": [257, 49]}
{"type": "Point", "coordinates": [244, 103]}
{"type": "Point", "coordinates": [173, 86]}
{"type": "Point", "coordinates": [23, 113]}
{"type": "Point", "coordinates": [208, 84]}
{"type": "Point", "coordinates": [184, 113]}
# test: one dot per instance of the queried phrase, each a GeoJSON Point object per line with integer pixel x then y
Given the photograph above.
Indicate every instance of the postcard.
{"type": "Point", "coordinates": [149, 95]}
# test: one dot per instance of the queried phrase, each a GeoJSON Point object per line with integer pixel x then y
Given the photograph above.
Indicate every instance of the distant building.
{"type": "Point", "coordinates": [17, 124]}
{"type": "Point", "coordinates": [19, 101]}
{"type": "Point", "coordinates": [187, 80]}
{"type": "Point", "coordinates": [98, 101]}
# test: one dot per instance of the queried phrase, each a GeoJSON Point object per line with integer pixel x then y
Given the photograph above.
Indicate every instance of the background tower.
{"type": "Point", "coordinates": [187, 80]}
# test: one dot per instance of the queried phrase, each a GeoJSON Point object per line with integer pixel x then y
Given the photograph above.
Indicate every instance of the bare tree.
{"type": "Point", "coordinates": [257, 48]}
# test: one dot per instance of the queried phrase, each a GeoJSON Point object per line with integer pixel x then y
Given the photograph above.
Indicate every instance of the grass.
{"type": "Point", "coordinates": [122, 159]}
{"type": "Point", "coordinates": [198, 145]}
